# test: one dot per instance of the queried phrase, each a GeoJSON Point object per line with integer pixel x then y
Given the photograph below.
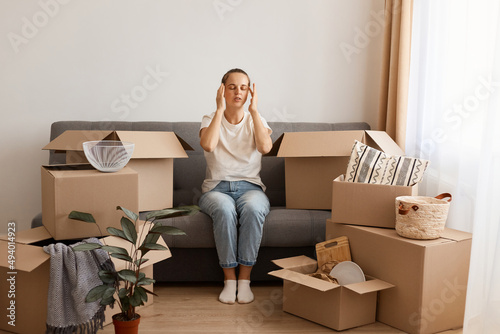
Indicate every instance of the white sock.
{"type": "Point", "coordinates": [228, 294]}
{"type": "Point", "coordinates": [245, 294]}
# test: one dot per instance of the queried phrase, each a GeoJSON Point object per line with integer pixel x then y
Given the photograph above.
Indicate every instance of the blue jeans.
{"type": "Point", "coordinates": [238, 210]}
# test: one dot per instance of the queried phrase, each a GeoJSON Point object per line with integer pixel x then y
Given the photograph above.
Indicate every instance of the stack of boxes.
{"type": "Point", "coordinates": [314, 159]}
{"type": "Point", "coordinates": [418, 286]}
{"type": "Point", "coordinates": [145, 184]}
{"type": "Point", "coordinates": [421, 284]}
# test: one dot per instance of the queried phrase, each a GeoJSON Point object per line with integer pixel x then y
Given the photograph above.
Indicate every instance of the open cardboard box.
{"type": "Point", "coordinates": [31, 274]}
{"type": "Point", "coordinates": [82, 188]}
{"type": "Point", "coordinates": [323, 302]}
{"type": "Point", "coordinates": [152, 158]}
{"type": "Point", "coordinates": [314, 159]}
{"type": "Point", "coordinates": [367, 204]}
{"type": "Point", "coordinates": [430, 276]}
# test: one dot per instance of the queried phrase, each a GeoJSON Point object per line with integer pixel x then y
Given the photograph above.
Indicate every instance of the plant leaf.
{"type": "Point", "coordinates": [129, 230]}
{"type": "Point", "coordinates": [145, 281]}
{"type": "Point", "coordinates": [135, 299]}
{"type": "Point", "coordinates": [108, 293]}
{"type": "Point", "coordinates": [96, 293]}
{"type": "Point", "coordinates": [122, 293]}
{"type": "Point", "coordinates": [139, 262]}
{"type": "Point", "coordinates": [128, 275]}
{"type": "Point", "coordinates": [125, 303]}
{"type": "Point", "coordinates": [167, 230]}
{"type": "Point", "coordinates": [108, 301]}
{"type": "Point", "coordinates": [153, 247]}
{"type": "Point", "coordinates": [122, 257]}
{"type": "Point", "coordinates": [187, 210]}
{"type": "Point", "coordinates": [151, 238]}
{"type": "Point", "coordinates": [142, 294]}
{"type": "Point", "coordinates": [86, 247]}
{"type": "Point", "coordinates": [115, 250]}
{"type": "Point", "coordinates": [107, 277]}
{"type": "Point", "coordinates": [132, 215]}
{"type": "Point", "coordinates": [82, 216]}
{"type": "Point", "coordinates": [116, 232]}
{"type": "Point", "coordinates": [150, 292]}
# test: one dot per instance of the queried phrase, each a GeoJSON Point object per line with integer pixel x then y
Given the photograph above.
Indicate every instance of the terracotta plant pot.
{"type": "Point", "coordinates": [126, 327]}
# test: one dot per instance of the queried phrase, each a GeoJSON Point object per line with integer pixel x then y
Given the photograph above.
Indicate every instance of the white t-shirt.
{"type": "Point", "coordinates": [235, 158]}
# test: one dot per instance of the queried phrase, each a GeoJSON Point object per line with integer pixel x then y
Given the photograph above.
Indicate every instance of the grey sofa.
{"type": "Point", "coordinates": [286, 233]}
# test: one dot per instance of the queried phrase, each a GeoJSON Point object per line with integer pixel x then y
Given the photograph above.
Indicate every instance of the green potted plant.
{"type": "Point", "coordinates": [129, 284]}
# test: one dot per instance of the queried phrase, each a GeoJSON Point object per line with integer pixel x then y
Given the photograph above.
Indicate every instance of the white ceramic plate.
{"type": "Point", "coordinates": [347, 272]}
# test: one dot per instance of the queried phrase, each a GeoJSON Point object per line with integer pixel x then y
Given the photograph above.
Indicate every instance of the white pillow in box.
{"type": "Point", "coordinates": [404, 171]}
{"type": "Point", "coordinates": [369, 165]}
{"type": "Point", "coordinates": [366, 165]}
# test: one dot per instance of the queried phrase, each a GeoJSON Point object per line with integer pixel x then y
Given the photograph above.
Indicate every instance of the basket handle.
{"type": "Point", "coordinates": [406, 211]}
{"type": "Point", "coordinates": [403, 211]}
{"type": "Point", "coordinates": [443, 196]}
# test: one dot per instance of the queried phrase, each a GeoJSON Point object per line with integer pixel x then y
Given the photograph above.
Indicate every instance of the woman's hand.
{"type": "Point", "coordinates": [253, 100]}
{"type": "Point", "coordinates": [262, 134]}
{"type": "Point", "coordinates": [221, 101]}
{"type": "Point", "coordinates": [209, 136]}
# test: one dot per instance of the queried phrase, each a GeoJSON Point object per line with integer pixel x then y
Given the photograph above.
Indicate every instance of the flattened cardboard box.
{"type": "Point", "coordinates": [31, 276]}
{"type": "Point", "coordinates": [152, 158]}
{"type": "Point", "coordinates": [328, 304]}
{"type": "Point", "coordinates": [314, 159]}
{"type": "Point", "coordinates": [430, 276]}
{"type": "Point", "coordinates": [366, 204]}
{"type": "Point", "coordinates": [82, 188]}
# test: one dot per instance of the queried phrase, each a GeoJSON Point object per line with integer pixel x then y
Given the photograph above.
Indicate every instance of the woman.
{"type": "Point", "coordinates": [233, 194]}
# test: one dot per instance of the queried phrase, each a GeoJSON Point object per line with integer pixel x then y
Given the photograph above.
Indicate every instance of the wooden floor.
{"type": "Point", "coordinates": [194, 308]}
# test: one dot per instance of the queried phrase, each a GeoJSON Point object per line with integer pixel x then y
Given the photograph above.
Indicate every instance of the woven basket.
{"type": "Point", "coordinates": [421, 217]}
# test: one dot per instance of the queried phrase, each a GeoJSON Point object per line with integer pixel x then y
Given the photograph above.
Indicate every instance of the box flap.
{"type": "Point", "coordinates": [370, 285]}
{"type": "Point", "coordinates": [28, 257]}
{"type": "Point", "coordinates": [153, 144]}
{"type": "Point", "coordinates": [297, 262]}
{"type": "Point", "coordinates": [148, 144]}
{"type": "Point", "coordinates": [383, 142]}
{"type": "Point", "coordinates": [72, 140]}
{"type": "Point", "coordinates": [30, 236]}
{"type": "Point", "coordinates": [302, 279]}
{"type": "Point", "coordinates": [184, 143]}
{"type": "Point", "coordinates": [153, 256]}
{"type": "Point", "coordinates": [276, 146]}
{"type": "Point", "coordinates": [318, 144]}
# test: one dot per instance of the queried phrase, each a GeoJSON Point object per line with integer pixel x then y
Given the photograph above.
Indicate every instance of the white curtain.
{"type": "Point", "coordinates": [454, 121]}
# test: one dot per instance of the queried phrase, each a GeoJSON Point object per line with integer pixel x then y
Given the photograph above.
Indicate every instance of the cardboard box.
{"type": "Point", "coordinates": [152, 158]}
{"type": "Point", "coordinates": [366, 204]}
{"type": "Point", "coordinates": [323, 302]}
{"type": "Point", "coordinates": [82, 188]}
{"type": "Point", "coordinates": [314, 159]}
{"type": "Point", "coordinates": [430, 275]}
{"type": "Point", "coordinates": [31, 279]}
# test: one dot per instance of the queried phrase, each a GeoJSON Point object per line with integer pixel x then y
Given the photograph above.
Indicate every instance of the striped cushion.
{"type": "Point", "coordinates": [369, 165]}
{"type": "Point", "coordinates": [404, 171]}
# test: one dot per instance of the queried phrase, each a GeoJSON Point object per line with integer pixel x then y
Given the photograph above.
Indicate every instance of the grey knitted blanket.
{"type": "Point", "coordinates": [72, 276]}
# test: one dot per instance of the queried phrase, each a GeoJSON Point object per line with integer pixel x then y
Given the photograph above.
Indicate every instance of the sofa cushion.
{"type": "Point", "coordinates": [282, 228]}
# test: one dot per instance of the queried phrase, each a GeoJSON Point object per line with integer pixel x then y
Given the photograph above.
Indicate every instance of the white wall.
{"type": "Point", "coordinates": [312, 60]}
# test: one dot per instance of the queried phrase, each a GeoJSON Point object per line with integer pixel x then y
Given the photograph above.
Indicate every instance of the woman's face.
{"type": "Point", "coordinates": [236, 91]}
